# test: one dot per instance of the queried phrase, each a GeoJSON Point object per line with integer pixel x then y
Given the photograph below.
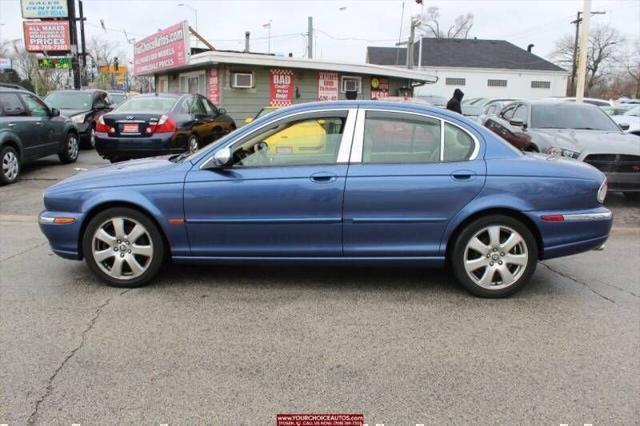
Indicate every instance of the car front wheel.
{"type": "Point", "coordinates": [70, 149]}
{"type": "Point", "coordinates": [494, 256]}
{"type": "Point", "coordinates": [123, 247]}
{"type": "Point", "coordinates": [10, 164]}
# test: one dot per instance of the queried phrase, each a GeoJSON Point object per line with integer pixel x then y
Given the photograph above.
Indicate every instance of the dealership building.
{"type": "Point", "coordinates": [243, 82]}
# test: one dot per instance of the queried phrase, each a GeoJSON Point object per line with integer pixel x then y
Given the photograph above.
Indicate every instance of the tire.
{"type": "Point", "coordinates": [193, 144]}
{"type": "Point", "coordinates": [125, 239]}
{"type": "Point", "coordinates": [70, 149]}
{"type": "Point", "coordinates": [9, 165]}
{"type": "Point", "coordinates": [480, 253]}
{"type": "Point", "coordinates": [90, 143]}
{"type": "Point", "coordinates": [632, 196]}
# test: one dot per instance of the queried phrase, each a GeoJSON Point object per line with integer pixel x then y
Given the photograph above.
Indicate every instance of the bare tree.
{"type": "Point", "coordinates": [605, 43]}
{"type": "Point", "coordinates": [459, 29]}
{"type": "Point", "coordinates": [632, 66]}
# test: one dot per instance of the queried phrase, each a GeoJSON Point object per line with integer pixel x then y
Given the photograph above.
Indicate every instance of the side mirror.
{"type": "Point", "coordinates": [517, 123]}
{"type": "Point", "coordinates": [55, 112]}
{"type": "Point", "coordinates": [248, 120]}
{"type": "Point", "coordinates": [222, 111]}
{"type": "Point", "coordinates": [624, 126]}
{"type": "Point", "coordinates": [221, 158]}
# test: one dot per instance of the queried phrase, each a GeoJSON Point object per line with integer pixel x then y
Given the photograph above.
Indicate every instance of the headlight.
{"type": "Point", "coordinates": [78, 119]}
{"type": "Point", "coordinates": [562, 152]}
{"type": "Point", "coordinates": [602, 191]}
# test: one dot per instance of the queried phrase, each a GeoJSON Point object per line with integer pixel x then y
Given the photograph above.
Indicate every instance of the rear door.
{"type": "Point", "coordinates": [14, 118]}
{"type": "Point", "coordinates": [409, 175]}
{"type": "Point", "coordinates": [45, 134]}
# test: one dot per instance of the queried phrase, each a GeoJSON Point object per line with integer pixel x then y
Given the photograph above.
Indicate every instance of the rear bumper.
{"type": "Point", "coordinates": [624, 182]}
{"type": "Point", "coordinates": [137, 147]}
{"type": "Point", "coordinates": [580, 231]}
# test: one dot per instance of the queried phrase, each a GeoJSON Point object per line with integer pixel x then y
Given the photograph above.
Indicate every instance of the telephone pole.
{"type": "Point", "coordinates": [310, 37]}
{"type": "Point", "coordinates": [572, 82]}
{"type": "Point", "coordinates": [73, 35]}
{"type": "Point", "coordinates": [582, 52]}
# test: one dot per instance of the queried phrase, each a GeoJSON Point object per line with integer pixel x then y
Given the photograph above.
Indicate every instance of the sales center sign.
{"type": "Point", "coordinates": [163, 50]}
{"type": "Point", "coordinates": [281, 87]}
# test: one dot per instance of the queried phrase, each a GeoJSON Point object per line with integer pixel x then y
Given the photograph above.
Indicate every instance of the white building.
{"type": "Point", "coordinates": [480, 68]}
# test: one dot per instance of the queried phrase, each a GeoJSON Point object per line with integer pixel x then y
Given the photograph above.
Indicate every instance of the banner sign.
{"type": "Point", "coordinates": [163, 50]}
{"type": "Point", "coordinates": [46, 36]}
{"type": "Point", "coordinates": [5, 63]}
{"type": "Point", "coordinates": [214, 86]}
{"type": "Point", "coordinates": [328, 86]}
{"type": "Point", "coordinates": [379, 88]}
{"type": "Point", "coordinates": [44, 9]}
{"type": "Point", "coordinates": [281, 87]}
{"type": "Point", "coordinates": [54, 63]}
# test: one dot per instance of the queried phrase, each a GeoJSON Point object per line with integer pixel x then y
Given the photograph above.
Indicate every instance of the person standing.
{"type": "Point", "coordinates": [455, 102]}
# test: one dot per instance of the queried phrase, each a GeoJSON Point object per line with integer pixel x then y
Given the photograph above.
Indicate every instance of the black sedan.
{"type": "Point", "coordinates": [159, 124]}
{"type": "Point", "coordinates": [83, 107]}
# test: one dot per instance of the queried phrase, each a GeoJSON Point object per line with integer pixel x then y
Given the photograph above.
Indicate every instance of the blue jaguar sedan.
{"type": "Point", "coordinates": [369, 182]}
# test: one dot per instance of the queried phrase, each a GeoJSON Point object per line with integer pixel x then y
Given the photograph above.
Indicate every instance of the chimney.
{"type": "Point", "coordinates": [530, 47]}
{"type": "Point", "coordinates": [247, 36]}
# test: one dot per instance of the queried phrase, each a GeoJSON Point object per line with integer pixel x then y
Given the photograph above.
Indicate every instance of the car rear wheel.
{"type": "Point", "coordinates": [494, 256]}
{"type": "Point", "coordinates": [123, 247]}
{"type": "Point", "coordinates": [10, 164]}
{"type": "Point", "coordinates": [192, 144]}
{"type": "Point", "coordinates": [70, 149]}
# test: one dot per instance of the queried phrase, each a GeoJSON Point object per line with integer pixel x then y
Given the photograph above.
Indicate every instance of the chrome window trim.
{"type": "Point", "coordinates": [580, 217]}
{"type": "Point", "coordinates": [358, 137]}
{"type": "Point", "coordinates": [349, 111]}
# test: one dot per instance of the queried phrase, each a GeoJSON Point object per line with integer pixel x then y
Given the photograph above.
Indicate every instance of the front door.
{"type": "Point", "coordinates": [281, 195]}
{"type": "Point", "coordinates": [45, 137]}
{"type": "Point", "coordinates": [409, 176]}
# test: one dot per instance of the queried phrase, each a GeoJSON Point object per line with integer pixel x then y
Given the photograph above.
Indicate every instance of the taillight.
{"type": "Point", "coordinates": [164, 125]}
{"type": "Point", "coordinates": [102, 127]}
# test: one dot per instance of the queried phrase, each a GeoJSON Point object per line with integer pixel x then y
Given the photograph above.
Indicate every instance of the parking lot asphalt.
{"type": "Point", "coordinates": [237, 345]}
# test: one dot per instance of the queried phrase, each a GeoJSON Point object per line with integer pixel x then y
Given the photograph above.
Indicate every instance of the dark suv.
{"type": "Point", "coordinates": [29, 130]}
{"type": "Point", "coordinates": [83, 107]}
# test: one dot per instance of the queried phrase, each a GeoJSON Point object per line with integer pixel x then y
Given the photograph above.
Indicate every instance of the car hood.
{"type": "Point", "coordinates": [592, 141]}
{"type": "Point", "coordinates": [148, 171]}
{"type": "Point", "coordinates": [71, 112]}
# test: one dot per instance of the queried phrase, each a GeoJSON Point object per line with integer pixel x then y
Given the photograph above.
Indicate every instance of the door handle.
{"type": "Point", "coordinates": [462, 175]}
{"type": "Point", "coordinates": [323, 177]}
{"type": "Point", "coordinates": [11, 125]}
{"type": "Point", "coordinates": [38, 123]}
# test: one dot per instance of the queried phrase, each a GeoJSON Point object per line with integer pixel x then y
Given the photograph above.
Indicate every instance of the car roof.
{"type": "Point", "coordinates": [93, 91]}
{"type": "Point", "coordinates": [163, 94]}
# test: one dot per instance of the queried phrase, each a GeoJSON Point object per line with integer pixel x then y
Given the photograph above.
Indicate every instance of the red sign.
{"type": "Point", "coordinates": [319, 420]}
{"type": "Point", "coordinates": [328, 86]}
{"type": "Point", "coordinates": [163, 50]}
{"type": "Point", "coordinates": [214, 86]}
{"type": "Point", "coordinates": [381, 90]}
{"type": "Point", "coordinates": [281, 89]}
{"type": "Point", "coordinates": [46, 36]}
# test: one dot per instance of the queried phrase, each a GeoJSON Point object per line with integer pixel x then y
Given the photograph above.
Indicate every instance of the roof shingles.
{"type": "Point", "coordinates": [464, 53]}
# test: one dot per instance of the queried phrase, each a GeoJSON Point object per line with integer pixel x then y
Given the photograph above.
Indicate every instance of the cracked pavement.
{"type": "Point", "coordinates": [236, 345]}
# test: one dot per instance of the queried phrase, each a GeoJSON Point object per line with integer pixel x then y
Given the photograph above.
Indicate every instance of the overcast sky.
{"type": "Point", "coordinates": [343, 28]}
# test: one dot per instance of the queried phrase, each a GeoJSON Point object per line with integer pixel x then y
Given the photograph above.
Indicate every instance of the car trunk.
{"type": "Point", "coordinates": [131, 124]}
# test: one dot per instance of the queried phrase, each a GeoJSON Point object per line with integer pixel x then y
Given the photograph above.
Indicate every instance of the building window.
{"type": "Point", "coordinates": [455, 81]}
{"type": "Point", "coordinates": [349, 84]}
{"type": "Point", "coordinates": [541, 84]}
{"type": "Point", "coordinates": [497, 83]}
{"type": "Point", "coordinates": [163, 84]}
{"type": "Point", "coordinates": [193, 82]}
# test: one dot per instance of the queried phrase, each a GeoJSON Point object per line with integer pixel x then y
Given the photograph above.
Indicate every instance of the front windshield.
{"type": "Point", "coordinates": [571, 116]}
{"type": "Point", "coordinates": [635, 112]}
{"type": "Point", "coordinates": [148, 104]}
{"type": "Point", "coordinates": [69, 100]}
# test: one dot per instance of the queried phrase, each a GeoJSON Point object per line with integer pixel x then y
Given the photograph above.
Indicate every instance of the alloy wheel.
{"type": "Point", "coordinates": [496, 257]}
{"type": "Point", "coordinates": [73, 147]}
{"type": "Point", "coordinates": [10, 165]}
{"type": "Point", "coordinates": [122, 248]}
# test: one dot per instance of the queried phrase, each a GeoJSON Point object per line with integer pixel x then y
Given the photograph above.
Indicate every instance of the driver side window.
{"type": "Point", "coordinates": [37, 108]}
{"type": "Point", "coordinates": [311, 141]}
{"type": "Point", "coordinates": [507, 113]}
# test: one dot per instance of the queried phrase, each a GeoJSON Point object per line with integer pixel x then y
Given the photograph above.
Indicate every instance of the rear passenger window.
{"type": "Point", "coordinates": [399, 138]}
{"type": "Point", "coordinates": [10, 105]}
{"type": "Point", "coordinates": [458, 144]}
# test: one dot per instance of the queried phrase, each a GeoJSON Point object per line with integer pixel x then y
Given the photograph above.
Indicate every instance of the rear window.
{"type": "Point", "coordinates": [147, 104]}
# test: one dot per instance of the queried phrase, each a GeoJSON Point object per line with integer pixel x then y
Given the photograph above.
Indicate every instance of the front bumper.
{"type": "Point", "coordinates": [137, 147]}
{"type": "Point", "coordinates": [578, 231]}
{"type": "Point", "coordinates": [64, 239]}
{"type": "Point", "coordinates": [624, 182]}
